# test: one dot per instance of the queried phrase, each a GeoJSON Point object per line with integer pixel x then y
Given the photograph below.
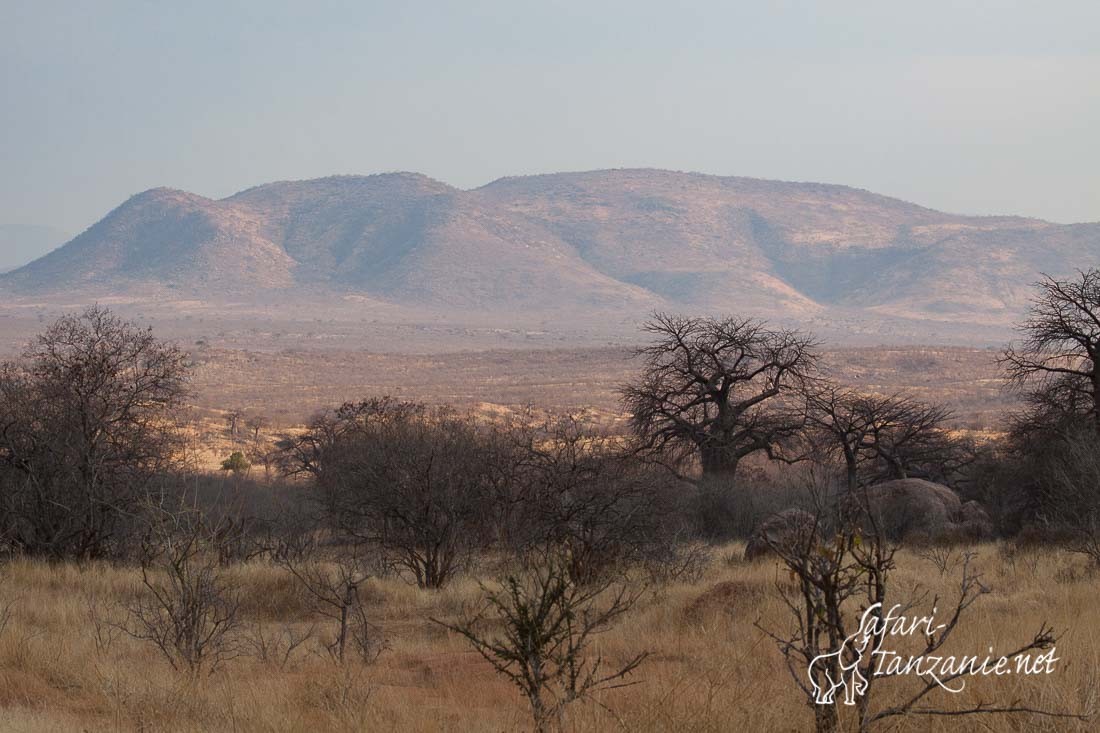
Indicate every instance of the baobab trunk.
{"type": "Point", "coordinates": [850, 462]}
{"type": "Point", "coordinates": [719, 462]}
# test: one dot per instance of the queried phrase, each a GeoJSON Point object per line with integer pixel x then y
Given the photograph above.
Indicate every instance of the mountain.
{"type": "Point", "coordinates": [617, 242]}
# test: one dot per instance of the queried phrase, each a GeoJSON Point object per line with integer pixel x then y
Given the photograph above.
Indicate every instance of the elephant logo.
{"type": "Point", "coordinates": [847, 669]}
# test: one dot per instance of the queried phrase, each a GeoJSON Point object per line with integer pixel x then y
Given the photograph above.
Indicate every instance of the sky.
{"type": "Point", "coordinates": [972, 106]}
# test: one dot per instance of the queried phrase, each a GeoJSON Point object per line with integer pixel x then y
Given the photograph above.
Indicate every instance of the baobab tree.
{"type": "Point", "coordinates": [1058, 360]}
{"type": "Point", "coordinates": [716, 389]}
{"type": "Point", "coordinates": [1057, 438]}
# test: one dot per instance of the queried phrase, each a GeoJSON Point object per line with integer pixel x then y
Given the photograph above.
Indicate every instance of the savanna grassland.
{"type": "Point", "coordinates": [294, 383]}
{"type": "Point", "coordinates": [710, 667]}
{"type": "Point", "coordinates": [286, 387]}
{"type": "Point", "coordinates": [72, 658]}
{"type": "Point", "coordinates": [291, 368]}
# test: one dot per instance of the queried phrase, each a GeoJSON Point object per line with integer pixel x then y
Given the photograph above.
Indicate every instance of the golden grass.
{"type": "Point", "coordinates": [710, 668]}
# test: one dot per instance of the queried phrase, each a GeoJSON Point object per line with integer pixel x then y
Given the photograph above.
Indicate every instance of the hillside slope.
{"type": "Point", "coordinates": [617, 242]}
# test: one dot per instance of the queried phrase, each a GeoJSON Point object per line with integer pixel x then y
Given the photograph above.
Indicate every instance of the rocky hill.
{"type": "Point", "coordinates": [617, 242]}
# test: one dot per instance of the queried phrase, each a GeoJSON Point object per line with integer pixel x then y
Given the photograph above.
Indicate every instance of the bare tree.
{"type": "Point", "coordinates": [188, 610]}
{"type": "Point", "coordinates": [547, 623]}
{"type": "Point", "coordinates": [410, 479]}
{"type": "Point", "coordinates": [1058, 360]}
{"type": "Point", "coordinates": [843, 565]}
{"type": "Point", "coordinates": [714, 389]}
{"type": "Point", "coordinates": [1055, 367]}
{"type": "Point", "coordinates": [1068, 474]}
{"type": "Point", "coordinates": [839, 422]}
{"type": "Point", "coordinates": [910, 438]}
{"type": "Point", "coordinates": [580, 489]}
{"type": "Point", "coordinates": [233, 419]}
{"type": "Point", "coordinates": [334, 584]}
{"type": "Point", "coordinates": [943, 557]}
{"type": "Point", "coordinates": [276, 646]}
{"type": "Point", "coordinates": [882, 437]}
{"type": "Point", "coordinates": [830, 570]}
{"type": "Point", "coordinates": [86, 423]}
{"type": "Point", "coordinates": [256, 422]}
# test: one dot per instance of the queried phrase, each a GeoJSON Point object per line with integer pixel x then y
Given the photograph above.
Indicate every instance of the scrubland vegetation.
{"type": "Point", "coordinates": [709, 667]}
{"type": "Point", "coordinates": [703, 564]}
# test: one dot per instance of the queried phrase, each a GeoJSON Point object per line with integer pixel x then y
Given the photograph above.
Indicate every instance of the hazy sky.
{"type": "Point", "coordinates": [968, 106]}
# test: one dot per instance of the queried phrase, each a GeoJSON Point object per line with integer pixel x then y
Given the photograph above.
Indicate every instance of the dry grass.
{"type": "Point", "coordinates": [711, 669]}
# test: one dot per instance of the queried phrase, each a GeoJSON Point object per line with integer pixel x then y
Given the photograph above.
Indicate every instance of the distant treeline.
{"type": "Point", "coordinates": [730, 421]}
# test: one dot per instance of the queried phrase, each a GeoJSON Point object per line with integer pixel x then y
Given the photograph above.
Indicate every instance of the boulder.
{"type": "Point", "coordinates": [787, 528]}
{"type": "Point", "coordinates": [975, 520]}
{"type": "Point", "coordinates": [914, 507]}
{"type": "Point", "coordinates": [909, 508]}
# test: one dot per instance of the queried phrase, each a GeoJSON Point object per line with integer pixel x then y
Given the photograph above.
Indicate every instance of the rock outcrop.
{"type": "Point", "coordinates": [787, 529]}
{"type": "Point", "coordinates": [911, 508]}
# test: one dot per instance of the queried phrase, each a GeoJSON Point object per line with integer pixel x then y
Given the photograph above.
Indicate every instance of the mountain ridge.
{"type": "Point", "coordinates": [602, 242]}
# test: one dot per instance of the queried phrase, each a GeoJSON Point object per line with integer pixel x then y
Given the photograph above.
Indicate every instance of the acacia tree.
{"type": "Point", "coordinates": [85, 425]}
{"type": "Point", "coordinates": [910, 438]}
{"type": "Point", "coordinates": [537, 630]}
{"type": "Point", "coordinates": [1058, 360]}
{"type": "Point", "coordinates": [882, 437]}
{"type": "Point", "coordinates": [839, 426]}
{"type": "Point", "coordinates": [716, 390]}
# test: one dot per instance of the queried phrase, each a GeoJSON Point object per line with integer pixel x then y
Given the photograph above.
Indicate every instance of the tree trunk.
{"type": "Point", "coordinates": [719, 462]}
{"type": "Point", "coordinates": [853, 470]}
{"type": "Point", "coordinates": [1096, 396]}
{"type": "Point", "coordinates": [825, 719]}
{"type": "Point", "coordinates": [350, 593]}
